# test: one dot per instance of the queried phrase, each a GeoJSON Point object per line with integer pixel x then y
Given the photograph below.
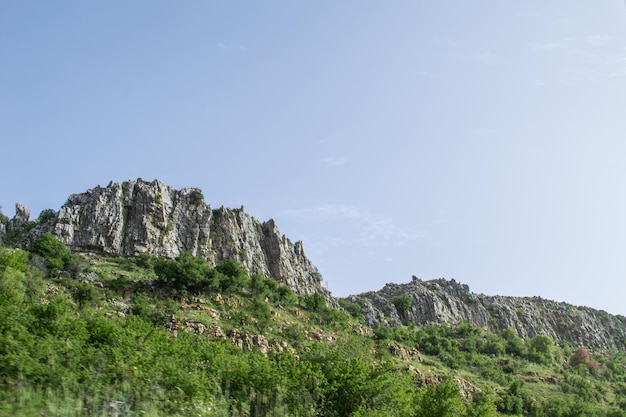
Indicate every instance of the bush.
{"type": "Point", "coordinates": [14, 258]}
{"type": "Point", "coordinates": [541, 349]}
{"type": "Point", "coordinates": [582, 357]}
{"type": "Point", "coordinates": [314, 302]}
{"type": "Point", "coordinates": [46, 215]}
{"type": "Point", "coordinates": [3, 219]}
{"type": "Point", "coordinates": [354, 309]}
{"type": "Point", "coordinates": [403, 303]}
{"type": "Point", "coordinates": [196, 197]}
{"type": "Point", "coordinates": [185, 274]}
{"type": "Point", "coordinates": [57, 257]}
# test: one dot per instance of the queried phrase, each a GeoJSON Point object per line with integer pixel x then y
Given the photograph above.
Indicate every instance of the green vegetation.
{"type": "Point", "coordinates": [180, 337]}
{"type": "Point", "coordinates": [46, 215]}
{"type": "Point", "coordinates": [3, 218]}
{"type": "Point", "coordinates": [403, 303]}
{"type": "Point", "coordinates": [196, 197]}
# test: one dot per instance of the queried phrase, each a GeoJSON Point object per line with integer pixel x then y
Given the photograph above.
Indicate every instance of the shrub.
{"type": "Point", "coordinates": [196, 197]}
{"type": "Point", "coordinates": [185, 274]}
{"type": "Point", "coordinates": [582, 357]}
{"type": "Point", "coordinates": [57, 256]}
{"type": "Point", "coordinates": [314, 302]}
{"type": "Point", "coordinates": [541, 349]}
{"type": "Point", "coordinates": [354, 309]}
{"type": "Point", "coordinates": [3, 219]}
{"type": "Point", "coordinates": [144, 260]}
{"type": "Point", "coordinates": [16, 259]}
{"type": "Point", "coordinates": [46, 215]}
{"type": "Point", "coordinates": [232, 277]}
{"type": "Point", "coordinates": [403, 303]}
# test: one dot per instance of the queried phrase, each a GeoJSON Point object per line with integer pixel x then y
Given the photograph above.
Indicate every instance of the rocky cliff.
{"type": "Point", "coordinates": [443, 301]}
{"type": "Point", "coordinates": [149, 217]}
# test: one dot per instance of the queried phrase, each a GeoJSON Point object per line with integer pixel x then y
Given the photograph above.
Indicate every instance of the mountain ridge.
{"type": "Point", "coordinates": [133, 217]}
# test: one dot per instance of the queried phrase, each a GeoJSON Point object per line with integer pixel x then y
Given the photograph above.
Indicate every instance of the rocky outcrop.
{"type": "Point", "coordinates": [149, 217]}
{"type": "Point", "coordinates": [21, 219]}
{"type": "Point", "coordinates": [443, 301]}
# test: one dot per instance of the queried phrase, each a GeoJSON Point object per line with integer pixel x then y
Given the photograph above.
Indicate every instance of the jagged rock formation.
{"type": "Point", "coordinates": [149, 217]}
{"type": "Point", "coordinates": [443, 301]}
{"type": "Point", "coordinates": [22, 216]}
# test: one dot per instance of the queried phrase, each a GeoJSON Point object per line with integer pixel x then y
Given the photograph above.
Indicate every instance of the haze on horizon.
{"type": "Point", "coordinates": [481, 141]}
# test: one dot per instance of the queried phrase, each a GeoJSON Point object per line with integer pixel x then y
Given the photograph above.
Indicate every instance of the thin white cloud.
{"type": "Point", "coordinates": [598, 40]}
{"type": "Point", "coordinates": [563, 43]}
{"type": "Point", "coordinates": [227, 47]}
{"type": "Point", "coordinates": [369, 229]}
{"type": "Point", "coordinates": [334, 161]}
{"type": "Point", "coordinates": [530, 15]}
{"type": "Point", "coordinates": [485, 58]}
{"type": "Point", "coordinates": [575, 43]}
{"type": "Point", "coordinates": [485, 131]}
{"type": "Point", "coordinates": [594, 61]}
{"type": "Point", "coordinates": [446, 42]}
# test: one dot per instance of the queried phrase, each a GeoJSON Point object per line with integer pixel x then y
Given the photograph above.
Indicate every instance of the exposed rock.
{"type": "Point", "coordinates": [149, 217]}
{"type": "Point", "coordinates": [247, 341]}
{"type": "Point", "coordinates": [443, 301]}
{"type": "Point", "coordinates": [404, 353]}
{"type": "Point", "coordinates": [21, 218]}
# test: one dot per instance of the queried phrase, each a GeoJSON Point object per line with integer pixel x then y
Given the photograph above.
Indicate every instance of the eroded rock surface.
{"type": "Point", "coordinates": [443, 301]}
{"type": "Point", "coordinates": [149, 217]}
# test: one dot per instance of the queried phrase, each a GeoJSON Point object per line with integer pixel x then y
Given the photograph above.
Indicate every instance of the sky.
{"type": "Point", "coordinates": [483, 141]}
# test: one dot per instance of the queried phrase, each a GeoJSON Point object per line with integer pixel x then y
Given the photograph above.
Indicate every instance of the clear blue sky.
{"type": "Point", "coordinates": [483, 141]}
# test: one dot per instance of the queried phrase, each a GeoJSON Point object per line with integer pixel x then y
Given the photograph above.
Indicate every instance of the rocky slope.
{"type": "Point", "coordinates": [149, 217]}
{"type": "Point", "coordinates": [443, 301]}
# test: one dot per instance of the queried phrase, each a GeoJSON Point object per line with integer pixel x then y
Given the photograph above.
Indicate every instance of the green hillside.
{"type": "Point", "coordinates": [96, 336]}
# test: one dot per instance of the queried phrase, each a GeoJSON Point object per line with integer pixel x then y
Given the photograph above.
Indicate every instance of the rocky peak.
{"type": "Point", "coordinates": [21, 218]}
{"type": "Point", "coordinates": [150, 217]}
{"type": "Point", "coordinates": [443, 301]}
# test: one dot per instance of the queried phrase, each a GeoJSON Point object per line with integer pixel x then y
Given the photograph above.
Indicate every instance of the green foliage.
{"type": "Point", "coordinates": [12, 289]}
{"type": "Point", "coordinates": [314, 302]}
{"type": "Point", "coordinates": [196, 197]}
{"type": "Point", "coordinates": [144, 260]}
{"type": "Point", "coordinates": [3, 218]}
{"type": "Point", "coordinates": [403, 303]}
{"type": "Point", "coordinates": [317, 275]}
{"type": "Point", "coordinates": [513, 343]}
{"type": "Point", "coordinates": [354, 309]}
{"type": "Point", "coordinates": [541, 349]}
{"type": "Point", "coordinates": [65, 349]}
{"type": "Point", "coordinates": [46, 215]}
{"type": "Point", "coordinates": [443, 400]}
{"type": "Point", "coordinates": [13, 258]}
{"type": "Point", "coordinates": [56, 255]}
{"type": "Point", "coordinates": [186, 274]}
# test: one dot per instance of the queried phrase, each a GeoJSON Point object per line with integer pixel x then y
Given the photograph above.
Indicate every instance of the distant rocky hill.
{"type": "Point", "coordinates": [443, 301]}
{"type": "Point", "coordinates": [149, 217]}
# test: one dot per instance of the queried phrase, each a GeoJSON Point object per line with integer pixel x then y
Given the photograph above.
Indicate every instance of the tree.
{"type": "Point", "coordinates": [403, 303]}
{"type": "Point", "coordinates": [57, 256]}
{"type": "Point", "coordinates": [185, 274]}
{"type": "Point", "coordinates": [582, 357]}
{"type": "Point", "coordinates": [541, 349]}
{"type": "Point", "coordinates": [442, 400]}
{"type": "Point", "coordinates": [3, 219]}
{"type": "Point", "coordinates": [46, 215]}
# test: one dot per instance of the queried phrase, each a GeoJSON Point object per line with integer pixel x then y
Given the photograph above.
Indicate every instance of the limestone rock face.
{"type": "Point", "coordinates": [149, 217]}
{"type": "Point", "coordinates": [22, 216]}
{"type": "Point", "coordinates": [443, 301]}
